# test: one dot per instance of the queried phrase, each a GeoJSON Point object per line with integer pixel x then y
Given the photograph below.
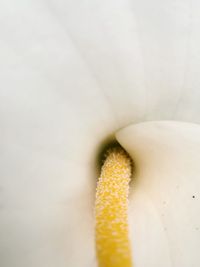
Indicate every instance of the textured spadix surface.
{"type": "Point", "coordinates": [72, 73]}
{"type": "Point", "coordinates": [111, 210]}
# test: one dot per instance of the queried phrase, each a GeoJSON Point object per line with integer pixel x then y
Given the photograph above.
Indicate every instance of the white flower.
{"type": "Point", "coordinates": [72, 74]}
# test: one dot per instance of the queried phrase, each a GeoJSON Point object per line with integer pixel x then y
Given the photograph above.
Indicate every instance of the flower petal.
{"type": "Point", "coordinates": [164, 203]}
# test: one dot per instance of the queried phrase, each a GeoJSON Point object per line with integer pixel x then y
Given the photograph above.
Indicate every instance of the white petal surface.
{"type": "Point", "coordinates": [51, 109]}
{"type": "Point", "coordinates": [144, 54]}
{"type": "Point", "coordinates": [165, 195]}
{"type": "Point", "coordinates": [72, 73]}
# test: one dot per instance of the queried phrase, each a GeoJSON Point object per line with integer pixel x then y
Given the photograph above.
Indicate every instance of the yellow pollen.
{"type": "Point", "coordinates": [111, 211]}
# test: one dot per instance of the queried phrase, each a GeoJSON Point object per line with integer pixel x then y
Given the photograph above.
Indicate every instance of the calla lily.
{"type": "Point", "coordinates": [73, 73]}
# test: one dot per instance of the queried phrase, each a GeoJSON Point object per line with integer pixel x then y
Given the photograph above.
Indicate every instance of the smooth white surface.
{"type": "Point", "coordinates": [72, 73]}
{"type": "Point", "coordinates": [165, 193]}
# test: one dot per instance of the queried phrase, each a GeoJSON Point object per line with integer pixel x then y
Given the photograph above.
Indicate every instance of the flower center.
{"type": "Point", "coordinates": [111, 210]}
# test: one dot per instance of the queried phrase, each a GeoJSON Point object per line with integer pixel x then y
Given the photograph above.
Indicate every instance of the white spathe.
{"type": "Point", "coordinates": [72, 73]}
{"type": "Point", "coordinates": [165, 193]}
